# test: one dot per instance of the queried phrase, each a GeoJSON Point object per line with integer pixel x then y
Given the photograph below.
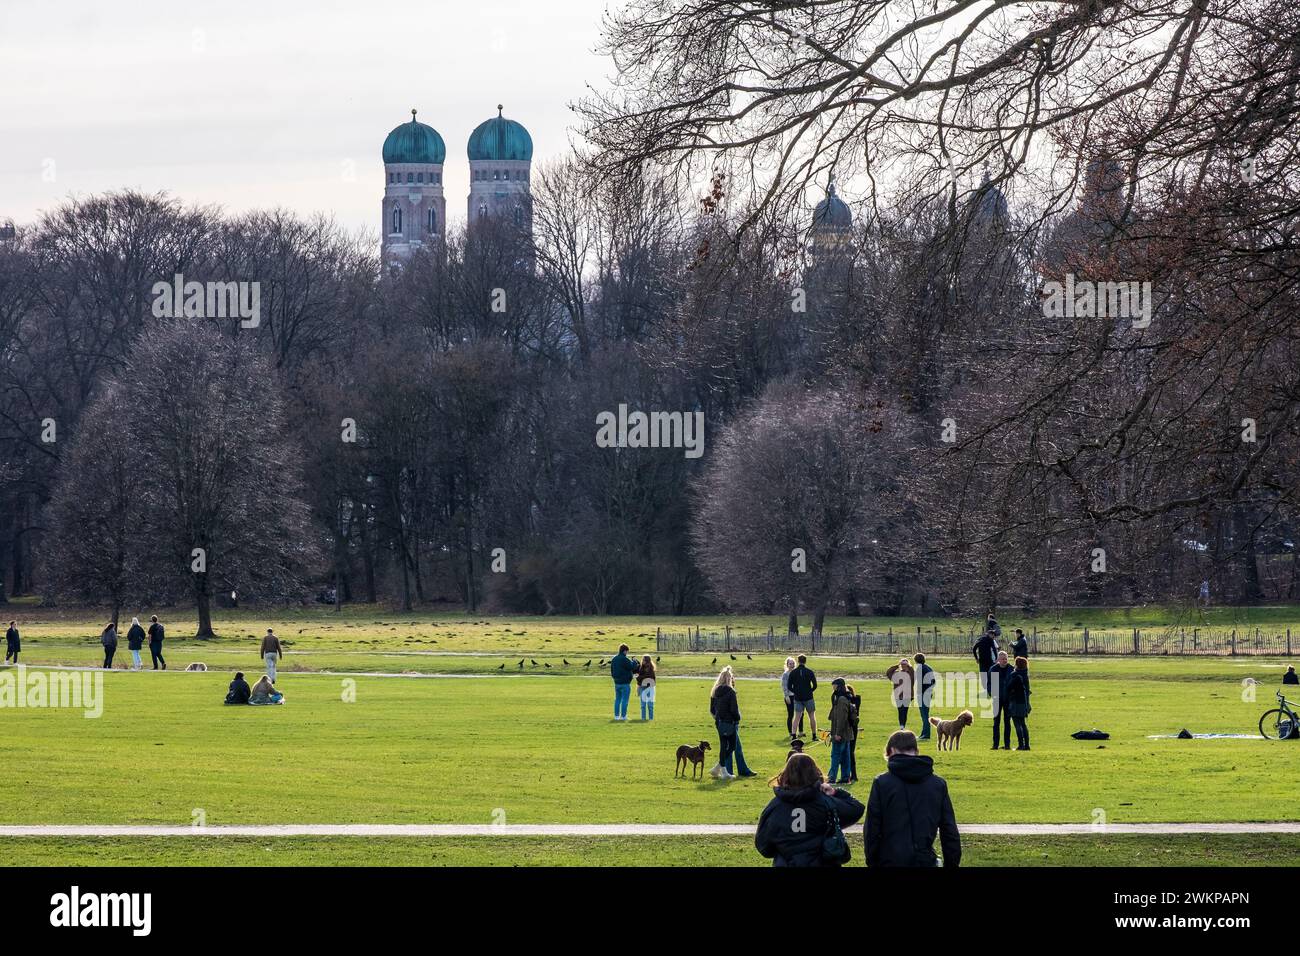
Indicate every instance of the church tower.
{"type": "Point", "coordinates": [500, 165]}
{"type": "Point", "coordinates": [414, 210]}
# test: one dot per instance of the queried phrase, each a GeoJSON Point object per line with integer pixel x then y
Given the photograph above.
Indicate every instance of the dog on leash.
{"type": "Point", "coordinates": [695, 755]}
{"type": "Point", "coordinates": [197, 666]}
{"type": "Point", "coordinates": [950, 730]}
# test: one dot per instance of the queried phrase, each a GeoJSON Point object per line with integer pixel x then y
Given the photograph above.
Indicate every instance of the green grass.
{"type": "Point", "coordinates": [1121, 851]}
{"type": "Point", "coordinates": [540, 745]}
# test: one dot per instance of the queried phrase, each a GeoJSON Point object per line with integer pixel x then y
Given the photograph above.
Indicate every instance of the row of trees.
{"type": "Point", "coordinates": [896, 424]}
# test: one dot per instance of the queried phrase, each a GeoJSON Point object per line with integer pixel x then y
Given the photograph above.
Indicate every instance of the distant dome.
{"type": "Point", "coordinates": [414, 143]}
{"type": "Point", "coordinates": [832, 212]}
{"type": "Point", "coordinates": [990, 203]}
{"type": "Point", "coordinates": [500, 139]}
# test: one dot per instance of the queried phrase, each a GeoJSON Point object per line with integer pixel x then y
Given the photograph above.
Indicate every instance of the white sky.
{"type": "Point", "coordinates": [258, 103]}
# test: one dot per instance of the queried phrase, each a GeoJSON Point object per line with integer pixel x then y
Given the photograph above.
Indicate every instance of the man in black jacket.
{"type": "Point", "coordinates": [999, 675]}
{"type": "Point", "coordinates": [13, 642]}
{"type": "Point", "coordinates": [156, 635]}
{"type": "Point", "coordinates": [1020, 646]}
{"type": "Point", "coordinates": [802, 684]}
{"type": "Point", "coordinates": [908, 805]}
{"type": "Point", "coordinates": [986, 652]}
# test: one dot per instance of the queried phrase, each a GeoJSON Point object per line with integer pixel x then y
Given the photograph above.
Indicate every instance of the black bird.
{"type": "Point", "coordinates": [749, 657]}
{"type": "Point", "coordinates": [533, 662]}
{"type": "Point", "coordinates": [656, 658]}
{"type": "Point", "coordinates": [715, 660]}
{"type": "Point", "coordinates": [566, 661]}
{"type": "Point", "coordinates": [547, 666]}
{"type": "Point", "coordinates": [521, 662]}
{"type": "Point", "coordinates": [602, 663]}
{"type": "Point", "coordinates": [588, 664]}
{"type": "Point", "coordinates": [502, 667]}
{"type": "Point", "coordinates": [732, 656]}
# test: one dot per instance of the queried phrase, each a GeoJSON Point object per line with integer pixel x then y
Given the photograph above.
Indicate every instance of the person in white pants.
{"type": "Point", "coordinates": [271, 652]}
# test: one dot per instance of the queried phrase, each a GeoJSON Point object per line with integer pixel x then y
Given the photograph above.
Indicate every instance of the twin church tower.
{"type": "Point", "coordinates": [415, 210]}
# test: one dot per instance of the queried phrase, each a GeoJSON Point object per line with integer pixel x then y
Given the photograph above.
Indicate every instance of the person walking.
{"type": "Point", "coordinates": [788, 697]}
{"type": "Point", "coordinates": [1018, 701]}
{"type": "Point", "coordinates": [907, 807]}
{"type": "Point", "coordinates": [135, 641]}
{"type": "Point", "coordinates": [645, 686]}
{"type": "Point", "coordinates": [999, 675]}
{"type": "Point", "coordinates": [724, 707]}
{"type": "Point", "coordinates": [13, 642]}
{"type": "Point", "coordinates": [803, 684]}
{"type": "Point", "coordinates": [271, 652]}
{"type": "Point", "coordinates": [156, 634]}
{"type": "Point", "coordinates": [622, 668]}
{"type": "Point", "coordinates": [903, 681]}
{"type": "Point", "coordinates": [108, 637]}
{"type": "Point", "coordinates": [841, 732]}
{"type": "Point", "coordinates": [856, 700]}
{"type": "Point", "coordinates": [793, 827]}
{"type": "Point", "coordinates": [925, 680]}
{"type": "Point", "coordinates": [1020, 646]}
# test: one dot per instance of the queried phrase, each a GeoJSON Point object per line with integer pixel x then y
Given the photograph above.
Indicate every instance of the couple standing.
{"type": "Point", "coordinates": [624, 670]}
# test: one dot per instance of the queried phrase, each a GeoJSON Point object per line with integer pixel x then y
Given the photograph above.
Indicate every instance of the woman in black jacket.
{"type": "Point", "coordinates": [135, 641]}
{"type": "Point", "coordinates": [1018, 701]}
{"type": "Point", "coordinates": [725, 709]}
{"type": "Point", "coordinates": [794, 824]}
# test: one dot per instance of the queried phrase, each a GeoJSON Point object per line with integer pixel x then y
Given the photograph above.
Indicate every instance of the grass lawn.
{"type": "Point", "coordinates": [540, 746]}
{"type": "Point", "coordinates": [1118, 851]}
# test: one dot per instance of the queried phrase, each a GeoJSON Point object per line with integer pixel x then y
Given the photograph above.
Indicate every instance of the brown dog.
{"type": "Point", "coordinates": [693, 754]}
{"type": "Point", "coordinates": [950, 730]}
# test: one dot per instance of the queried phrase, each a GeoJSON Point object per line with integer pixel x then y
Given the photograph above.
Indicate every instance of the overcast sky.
{"type": "Point", "coordinates": [273, 102]}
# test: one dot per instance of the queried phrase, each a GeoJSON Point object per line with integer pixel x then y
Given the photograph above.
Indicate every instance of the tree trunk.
{"type": "Point", "coordinates": [203, 600]}
{"type": "Point", "coordinates": [819, 618]}
{"type": "Point", "coordinates": [851, 608]}
{"type": "Point", "coordinates": [792, 625]}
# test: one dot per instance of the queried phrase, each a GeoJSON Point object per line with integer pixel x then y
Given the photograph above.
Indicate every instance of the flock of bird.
{"type": "Point", "coordinates": [602, 663]}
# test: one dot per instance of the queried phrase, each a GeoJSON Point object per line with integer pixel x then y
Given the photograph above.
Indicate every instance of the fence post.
{"type": "Point", "coordinates": [659, 640]}
{"type": "Point", "coordinates": [1234, 642]}
{"type": "Point", "coordinates": [1288, 642]}
{"type": "Point", "coordinates": [857, 638]}
{"type": "Point", "coordinates": [891, 639]}
{"type": "Point", "coordinates": [1137, 641]}
{"type": "Point", "coordinates": [728, 637]}
{"type": "Point", "coordinates": [1085, 640]}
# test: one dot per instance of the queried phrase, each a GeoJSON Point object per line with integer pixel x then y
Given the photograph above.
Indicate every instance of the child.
{"type": "Point", "coordinates": [645, 683]}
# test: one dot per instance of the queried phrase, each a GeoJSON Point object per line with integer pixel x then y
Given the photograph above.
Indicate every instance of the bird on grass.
{"type": "Point", "coordinates": [547, 666]}
{"type": "Point", "coordinates": [715, 660]}
{"type": "Point", "coordinates": [566, 661]}
{"type": "Point", "coordinates": [732, 656]}
{"type": "Point", "coordinates": [749, 657]}
{"type": "Point", "coordinates": [502, 667]}
{"type": "Point", "coordinates": [521, 663]}
{"type": "Point", "coordinates": [533, 662]}
{"type": "Point", "coordinates": [602, 663]}
{"type": "Point", "coordinates": [656, 658]}
{"type": "Point", "coordinates": [588, 664]}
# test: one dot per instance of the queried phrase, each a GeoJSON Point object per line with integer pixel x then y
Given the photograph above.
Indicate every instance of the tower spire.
{"type": "Point", "coordinates": [412, 116]}
{"type": "Point", "coordinates": [499, 109]}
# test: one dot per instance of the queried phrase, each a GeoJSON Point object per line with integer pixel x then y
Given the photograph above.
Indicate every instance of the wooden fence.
{"type": "Point", "coordinates": [1135, 641]}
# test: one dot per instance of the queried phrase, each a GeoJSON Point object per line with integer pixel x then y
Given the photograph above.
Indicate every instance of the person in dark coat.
{"type": "Point", "coordinates": [793, 824]}
{"type": "Point", "coordinates": [1020, 646]}
{"type": "Point", "coordinates": [156, 635]}
{"type": "Point", "coordinates": [13, 642]}
{"type": "Point", "coordinates": [239, 691]}
{"type": "Point", "coordinates": [903, 679]}
{"type": "Point", "coordinates": [622, 668]}
{"type": "Point", "coordinates": [108, 637]}
{"type": "Point", "coordinates": [856, 700]}
{"type": "Point", "coordinates": [135, 641]}
{"type": "Point", "coordinates": [803, 685]}
{"type": "Point", "coordinates": [1018, 701]}
{"type": "Point", "coordinates": [908, 805]}
{"type": "Point", "coordinates": [999, 677]}
{"type": "Point", "coordinates": [1290, 677]}
{"type": "Point", "coordinates": [925, 680]}
{"type": "Point", "coordinates": [725, 710]}
{"type": "Point", "coordinates": [986, 652]}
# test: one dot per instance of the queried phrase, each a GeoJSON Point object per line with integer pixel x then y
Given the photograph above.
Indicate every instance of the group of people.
{"type": "Point", "coordinates": [135, 639]}
{"type": "Point", "coordinates": [626, 670]}
{"type": "Point", "coordinates": [263, 692]}
{"type": "Point", "coordinates": [1006, 683]}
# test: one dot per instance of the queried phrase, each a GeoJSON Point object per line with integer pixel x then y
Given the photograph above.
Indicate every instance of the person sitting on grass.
{"type": "Point", "coordinates": [793, 825]}
{"type": "Point", "coordinates": [264, 692]}
{"type": "Point", "coordinates": [1290, 677]}
{"type": "Point", "coordinates": [239, 692]}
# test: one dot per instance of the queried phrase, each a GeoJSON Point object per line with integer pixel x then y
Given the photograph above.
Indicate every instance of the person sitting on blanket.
{"type": "Point", "coordinates": [239, 692]}
{"type": "Point", "coordinates": [264, 692]}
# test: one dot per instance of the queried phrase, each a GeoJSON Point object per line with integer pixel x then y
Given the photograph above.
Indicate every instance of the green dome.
{"type": "Point", "coordinates": [414, 143]}
{"type": "Point", "coordinates": [500, 138]}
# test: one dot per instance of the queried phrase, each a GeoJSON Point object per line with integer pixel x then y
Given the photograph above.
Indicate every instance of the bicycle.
{"type": "Point", "coordinates": [1280, 723]}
